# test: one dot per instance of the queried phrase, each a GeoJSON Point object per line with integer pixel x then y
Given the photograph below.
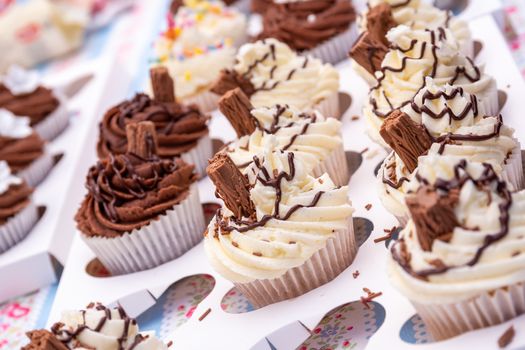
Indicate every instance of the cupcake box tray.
{"type": "Point", "coordinates": [278, 324]}
{"type": "Point", "coordinates": [33, 263]}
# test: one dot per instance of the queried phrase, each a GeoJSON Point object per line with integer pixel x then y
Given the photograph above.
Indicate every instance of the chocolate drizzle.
{"type": "Point", "coordinates": [488, 178]}
{"type": "Point", "coordinates": [274, 182]}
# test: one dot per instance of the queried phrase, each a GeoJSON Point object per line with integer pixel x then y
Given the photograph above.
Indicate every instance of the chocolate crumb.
{"type": "Point", "coordinates": [368, 206]}
{"type": "Point", "coordinates": [257, 254]}
{"type": "Point", "coordinates": [203, 316]}
{"type": "Point", "coordinates": [170, 343]}
{"type": "Point", "coordinates": [506, 338]}
{"type": "Point", "coordinates": [355, 274]}
{"type": "Point", "coordinates": [516, 253]}
{"type": "Point", "coordinates": [235, 244]}
{"type": "Point", "coordinates": [355, 117]}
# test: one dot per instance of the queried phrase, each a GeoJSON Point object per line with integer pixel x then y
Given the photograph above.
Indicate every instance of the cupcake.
{"type": "Point", "coordinates": [319, 28]}
{"type": "Point", "coordinates": [21, 94]}
{"type": "Point", "coordinates": [271, 73]}
{"type": "Point", "coordinates": [443, 121]}
{"type": "Point", "coordinates": [182, 130]}
{"type": "Point", "coordinates": [315, 140]}
{"type": "Point", "coordinates": [140, 210]}
{"type": "Point", "coordinates": [415, 55]}
{"type": "Point", "coordinates": [460, 258]}
{"type": "Point", "coordinates": [97, 327]}
{"type": "Point", "coordinates": [23, 149]}
{"type": "Point", "coordinates": [18, 214]}
{"type": "Point", "coordinates": [201, 34]}
{"type": "Point", "coordinates": [418, 15]}
{"type": "Point", "coordinates": [283, 236]}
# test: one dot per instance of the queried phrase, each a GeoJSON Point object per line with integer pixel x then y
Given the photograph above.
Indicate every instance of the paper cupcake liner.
{"type": "Point", "coordinates": [336, 49]}
{"type": "Point", "coordinates": [56, 122]}
{"type": "Point", "coordinates": [206, 100]}
{"type": "Point", "coordinates": [325, 265]}
{"type": "Point", "coordinates": [335, 165]}
{"type": "Point", "coordinates": [488, 101]}
{"type": "Point", "coordinates": [487, 309]}
{"type": "Point", "coordinates": [199, 155]}
{"type": "Point", "coordinates": [513, 170]}
{"type": "Point", "coordinates": [18, 227]}
{"type": "Point", "coordinates": [329, 106]}
{"type": "Point", "coordinates": [37, 171]}
{"type": "Point", "coordinates": [162, 240]}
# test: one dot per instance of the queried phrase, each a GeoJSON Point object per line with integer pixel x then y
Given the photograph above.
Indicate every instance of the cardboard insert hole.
{"type": "Point", "coordinates": [362, 229]}
{"type": "Point", "coordinates": [502, 99]}
{"type": "Point", "coordinates": [345, 101]}
{"type": "Point", "coordinates": [94, 268]}
{"type": "Point", "coordinates": [354, 161]}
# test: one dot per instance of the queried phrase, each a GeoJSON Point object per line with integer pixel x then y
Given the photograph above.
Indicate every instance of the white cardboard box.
{"type": "Point", "coordinates": [136, 292]}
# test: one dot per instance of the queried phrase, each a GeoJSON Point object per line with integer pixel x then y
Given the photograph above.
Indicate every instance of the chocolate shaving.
{"type": "Point", "coordinates": [379, 21]}
{"type": "Point", "coordinates": [368, 206]}
{"type": "Point", "coordinates": [389, 233]}
{"type": "Point", "coordinates": [506, 338]}
{"type": "Point", "coordinates": [369, 297]}
{"type": "Point", "coordinates": [369, 52]}
{"type": "Point", "coordinates": [232, 186]}
{"type": "Point", "coordinates": [236, 106]}
{"type": "Point", "coordinates": [43, 340]}
{"type": "Point", "coordinates": [162, 85]}
{"type": "Point", "coordinates": [407, 138]}
{"type": "Point", "coordinates": [142, 139]}
{"type": "Point", "coordinates": [203, 316]}
{"type": "Point", "coordinates": [229, 80]}
{"type": "Point", "coordinates": [433, 215]}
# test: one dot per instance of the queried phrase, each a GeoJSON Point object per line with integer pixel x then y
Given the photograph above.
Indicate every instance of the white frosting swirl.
{"type": "Point", "coordinates": [6, 178]}
{"type": "Point", "coordinates": [501, 264]}
{"type": "Point", "coordinates": [494, 150]}
{"type": "Point", "coordinates": [283, 77]}
{"type": "Point", "coordinates": [13, 126]}
{"type": "Point", "coordinates": [20, 81]}
{"type": "Point", "coordinates": [435, 54]}
{"type": "Point", "coordinates": [310, 135]}
{"type": "Point", "coordinates": [114, 325]}
{"type": "Point", "coordinates": [268, 251]}
{"type": "Point", "coordinates": [419, 15]}
{"type": "Point", "coordinates": [203, 34]}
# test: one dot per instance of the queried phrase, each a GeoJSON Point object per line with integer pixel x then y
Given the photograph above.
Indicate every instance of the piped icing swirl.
{"type": "Point", "coordinates": [14, 193]}
{"type": "Point", "coordinates": [309, 135]}
{"type": "Point", "coordinates": [280, 76]}
{"type": "Point", "coordinates": [452, 118]}
{"type": "Point", "coordinates": [19, 145]}
{"type": "Point", "coordinates": [304, 25]}
{"type": "Point", "coordinates": [419, 15]}
{"type": "Point", "coordinates": [483, 252]}
{"type": "Point", "coordinates": [414, 56]}
{"type": "Point", "coordinates": [127, 192]}
{"type": "Point", "coordinates": [295, 216]}
{"type": "Point", "coordinates": [202, 34]}
{"type": "Point", "coordinates": [102, 328]}
{"type": "Point", "coordinates": [178, 126]}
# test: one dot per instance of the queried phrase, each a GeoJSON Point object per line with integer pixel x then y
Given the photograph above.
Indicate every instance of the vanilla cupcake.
{"type": "Point", "coordinates": [23, 149]}
{"type": "Point", "coordinates": [460, 258]}
{"type": "Point", "coordinates": [271, 73]}
{"type": "Point", "coordinates": [140, 210]}
{"type": "Point", "coordinates": [283, 236]}
{"type": "Point", "coordinates": [201, 34]}
{"type": "Point", "coordinates": [414, 56]}
{"type": "Point", "coordinates": [443, 121]}
{"type": "Point", "coordinates": [315, 140]}
{"type": "Point", "coordinates": [21, 93]}
{"type": "Point", "coordinates": [18, 213]}
{"type": "Point", "coordinates": [97, 327]}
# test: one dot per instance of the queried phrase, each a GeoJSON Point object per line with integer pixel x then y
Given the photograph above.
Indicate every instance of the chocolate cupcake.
{"type": "Point", "coordinates": [97, 327]}
{"type": "Point", "coordinates": [269, 73]}
{"type": "Point", "coordinates": [23, 149]}
{"type": "Point", "coordinates": [21, 94]}
{"type": "Point", "coordinates": [182, 130]}
{"type": "Point", "coordinates": [283, 236]}
{"type": "Point", "coordinates": [140, 210]}
{"type": "Point", "coordinates": [18, 214]}
{"type": "Point", "coordinates": [460, 258]}
{"type": "Point", "coordinates": [320, 28]}
{"type": "Point", "coordinates": [315, 140]}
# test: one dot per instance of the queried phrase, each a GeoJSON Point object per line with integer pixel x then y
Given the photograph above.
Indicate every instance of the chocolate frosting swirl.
{"type": "Point", "coordinates": [292, 23]}
{"type": "Point", "coordinates": [36, 105]}
{"type": "Point", "coordinates": [178, 126]}
{"type": "Point", "coordinates": [20, 153]}
{"type": "Point", "coordinates": [126, 192]}
{"type": "Point", "coordinates": [14, 200]}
